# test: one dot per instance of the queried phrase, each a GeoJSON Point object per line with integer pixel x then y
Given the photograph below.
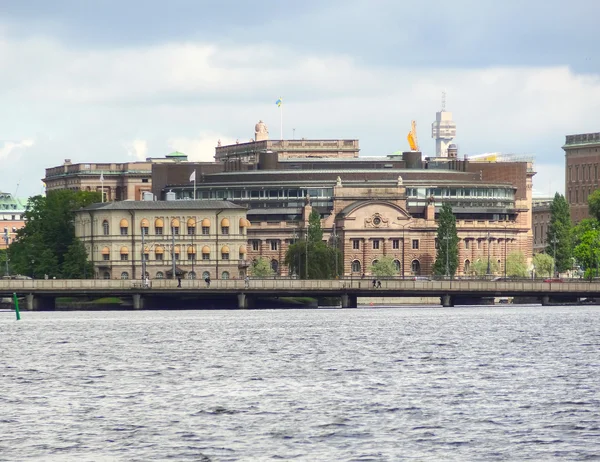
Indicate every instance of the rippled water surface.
{"type": "Point", "coordinates": [478, 383]}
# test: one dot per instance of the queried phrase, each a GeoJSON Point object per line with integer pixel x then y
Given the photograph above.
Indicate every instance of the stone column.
{"type": "Point", "coordinates": [138, 302]}
{"type": "Point", "coordinates": [29, 302]}
{"type": "Point", "coordinates": [242, 303]}
{"type": "Point", "coordinates": [447, 301]}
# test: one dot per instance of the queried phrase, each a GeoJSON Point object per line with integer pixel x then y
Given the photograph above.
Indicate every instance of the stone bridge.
{"type": "Point", "coordinates": [41, 294]}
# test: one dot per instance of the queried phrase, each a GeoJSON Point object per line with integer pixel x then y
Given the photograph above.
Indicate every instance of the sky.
{"type": "Point", "coordinates": [122, 80]}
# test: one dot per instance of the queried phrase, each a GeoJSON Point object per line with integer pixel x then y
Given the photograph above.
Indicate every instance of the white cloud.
{"type": "Point", "coordinates": [152, 99]}
{"type": "Point", "coordinates": [201, 148]}
{"type": "Point", "coordinates": [14, 147]}
{"type": "Point", "coordinates": [138, 149]}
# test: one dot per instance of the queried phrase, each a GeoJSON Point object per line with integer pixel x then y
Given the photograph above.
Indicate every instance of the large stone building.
{"type": "Point", "coordinates": [582, 161]}
{"type": "Point", "coordinates": [541, 222]}
{"type": "Point", "coordinates": [126, 239]}
{"type": "Point", "coordinates": [117, 181]}
{"type": "Point", "coordinates": [12, 210]}
{"type": "Point", "coordinates": [370, 207]}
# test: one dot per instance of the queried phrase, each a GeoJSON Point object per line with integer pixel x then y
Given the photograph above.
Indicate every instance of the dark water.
{"type": "Point", "coordinates": [503, 383]}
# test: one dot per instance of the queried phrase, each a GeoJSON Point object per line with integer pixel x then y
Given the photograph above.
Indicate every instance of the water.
{"type": "Point", "coordinates": [480, 383]}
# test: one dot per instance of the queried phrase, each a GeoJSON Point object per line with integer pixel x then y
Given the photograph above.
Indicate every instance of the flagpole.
{"type": "Point", "coordinates": [281, 119]}
{"type": "Point", "coordinates": [102, 186]}
{"type": "Point", "coordinates": [194, 185]}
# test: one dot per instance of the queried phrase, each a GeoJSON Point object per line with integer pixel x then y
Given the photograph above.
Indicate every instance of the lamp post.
{"type": "Point", "coordinates": [174, 269]}
{"type": "Point", "coordinates": [142, 232]}
{"type": "Point", "coordinates": [192, 232]}
{"type": "Point", "coordinates": [32, 268]}
{"type": "Point", "coordinates": [6, 239]}
{"type": "Point", "coordinates": [489, 269]}
{"type": "Point", "coordinates": [554, 242]}
{"type": "Point", "coordinates": [505, 242]}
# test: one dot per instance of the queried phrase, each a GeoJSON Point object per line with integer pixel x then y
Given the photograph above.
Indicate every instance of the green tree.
{"type": "Point", "coordinates": [516, 265]}
{"type": "Point", "coordinates": [587, 251]}
{"type": "Point", "coordinates": [261, 268]}
{"type": "Point", "coordinates": [75, 264]}
{"type": "Point", "coordinates": [543, 264]}
{"type": "Point", "coordinates": [43, 243]}
{"type": "Point", "coordinates": [559, 234]}
{"type": "Point", "coordinates": [594, 204]}
{"type": "Point", "coordinates": [384, 267]}
{"type": "Point", "coordinates": [479, 267]}
{"type": "Point", "coordinates": [324, 261]}
{"type": "Point", "coordinates": [446, 260]}
{"type": "Point", "coordinates": [3, 258]}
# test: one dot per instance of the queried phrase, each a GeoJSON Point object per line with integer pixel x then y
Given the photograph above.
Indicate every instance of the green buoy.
{"type": "Point", "coordinates": [17, 312]}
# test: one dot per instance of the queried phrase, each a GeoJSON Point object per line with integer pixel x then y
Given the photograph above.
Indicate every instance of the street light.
{"type": "Point", "coordinates": [32, 268]}
{"type": "Point", "coordinates": [489, 269]}
{"type": "Point", "coordinates": [554, 241]}
{"type": "Point", "coordinates": [505, 241]}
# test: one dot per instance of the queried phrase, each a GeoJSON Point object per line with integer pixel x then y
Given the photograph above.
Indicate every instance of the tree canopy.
{"type": "Point", "coordinates": [516, 265]}
{"type": "Point", "coordinates": [446, 260]}
{"type": "Point", "coordinates": [261, 268]}
{"type": "Point", "coordinates": [543, 264]}
{"type": "Point", "coordinates": [384, 267]}
{"type": "Point", "coordinates": [47, 245]}
{"type": "Point", "coordinates": [311, 258]}
{"type": "Point", "coordinates": [559, 234]}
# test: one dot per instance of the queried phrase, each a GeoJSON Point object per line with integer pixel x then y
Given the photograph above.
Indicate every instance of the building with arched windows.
{"type": "Point", "coordinates": [191, 239]}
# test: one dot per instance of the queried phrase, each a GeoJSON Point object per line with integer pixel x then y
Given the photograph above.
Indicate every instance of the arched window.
{"type": "Point", "coordinates": [144, 226]}
{"type": "Point", "coordinates": [159, 253]}
{"type": "Point", "coordinates": [355, 266]}
{"type": "Point", "coordinates": [124, 275]}
{"type": "Point", "coordinates": [106, 275]}
{"type": "Point", "coordinates": [160, 275]}
{"type": "Point", "coordinates": [191, 226]}
{"type": "Point", "coordinates": [205, 275]}
{"type": "Point", "coordinates": [124, 227]}
{"type": "Point", "coordinates": [415, 267]}
{"type": "Point", "coordinates": [225, 252]}
{"type": "Point", "coordinates": [397, 265]}
{"type": "Point", "coordinates": [106, 254]}
{"type": "Point", "coordinates": [158, 226]}
{"type": "Point", "coordinates": [225, 226]}
{"type": "Point", "coordinates": [105, 228]}
{"type": "Point", "coordinates": [225, 275]}
{"type": "Point", "coordinates": [467, 267]}
{"type": "Point", "coordinates": [275, 266]}
{"type": "Point", "coordinates": [374, 262]}
{"type": "Point", "coordinates": [191, 253]}
{"type": "Point", "coordinates": [205, 253]}
{"type": "Point", "coordinates": [191, 275]}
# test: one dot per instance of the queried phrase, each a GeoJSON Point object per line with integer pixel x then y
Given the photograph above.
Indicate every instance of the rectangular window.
{"type": "Point", "coordinates": [146, 256]}
{"type": "Point", "coordinates": [467, 244]}
{"type": "Point", "coordinates": [415, 244]}
{"type": "Point", "coordinates": [395, 243]}
{"type": "Point", "coordinates": [176, 230]}
{"type": "Point", "coordinates": [124, 257]}
{"type": "Point", "coordinates": [191, 230]}
{"type": "Point", "coordinates": [356, 244]}
{"type": "Point", "coordinates": [176, 256]}
{"type": "Point", "coordinates": [479, 244]}
{"type": "Point", "coordinates": [225, 256]}
{"type": "Point", "coordinates": [123, 231]}
{"type": "Point", "coordinates": [206, 230]}
{"type": "Point", "coordinates": [159, 257]}
{"type": "Point", "coordinates": [274, 245]}
{"type": "Point", "coordinates": [145, 230]}
{"type": "Point", "coordinates": [158, 231]}
{"type": "Point", "coordinates": [106, 257]}
{"type": "Point", "coordinates": [205, 256]}
{"type": "Point", "coordinates": [255, 245]}
{"type": "Point", "coordinates": [225, 230]}
{"type": "Point", "coordinates": [191, 256]}
{"type": "Point", "coordinates": [376, 244]}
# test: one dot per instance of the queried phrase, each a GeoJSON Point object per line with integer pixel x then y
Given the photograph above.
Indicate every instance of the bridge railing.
{"type": "Point", "coordinates": [446, 286]}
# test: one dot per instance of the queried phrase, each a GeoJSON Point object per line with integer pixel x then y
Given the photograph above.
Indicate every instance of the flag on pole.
{"type": "Point", "coordinates": [102, 177]}
{"type": "Point", "coordinates": [279, 102]}
{"type": "Point", "coordinates": [193, 176]}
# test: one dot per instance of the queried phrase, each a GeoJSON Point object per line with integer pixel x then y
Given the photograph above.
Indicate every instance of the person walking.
{"type": "Point", "coordinates": [378, 284]}
{"type": "Point", "coordinates": [374, 283]}
{"type": "Point", "coordinates": [207, 280]}
{"type": "Point", "coordinates": [247, 282]}
{"type": "Point", "coordinates": [179, 282]}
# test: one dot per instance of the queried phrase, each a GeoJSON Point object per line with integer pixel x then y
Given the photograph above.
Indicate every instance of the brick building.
{"type": "Point", "coordinates": [582, 161]}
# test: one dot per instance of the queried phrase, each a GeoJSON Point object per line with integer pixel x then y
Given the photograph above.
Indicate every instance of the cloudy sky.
{"type": "Point", "coordinates": [117, 80]}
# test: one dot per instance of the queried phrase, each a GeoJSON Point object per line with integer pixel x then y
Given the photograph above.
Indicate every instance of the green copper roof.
{"type": "Point", "coordinates": [176, 154]}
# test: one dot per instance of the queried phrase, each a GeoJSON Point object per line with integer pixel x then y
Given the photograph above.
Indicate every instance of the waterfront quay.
{"type": "Point", "coordinates": [42, 294]}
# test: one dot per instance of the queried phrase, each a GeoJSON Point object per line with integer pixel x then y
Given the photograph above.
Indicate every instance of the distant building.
{"type": "Point", "coordinates": [117, 181]}
{"type": "Point", "coordinates": [443, 130]}
{"type": "Point", "coordinates": [582, 160]}
{"type": "Point", "coordinates": [200, 238]}
{"type": "Point", "coordinates": [12, 210]}
{"type": "Point", "coordinates": [541, 221]}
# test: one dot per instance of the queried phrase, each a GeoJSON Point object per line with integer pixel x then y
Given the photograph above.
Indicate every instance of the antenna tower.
{"type": "Point", "coordinates": [443, 101]}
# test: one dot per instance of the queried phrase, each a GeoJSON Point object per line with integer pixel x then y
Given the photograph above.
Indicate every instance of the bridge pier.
{"type": "Point", "coordinates": [545, 300]}
{"type": "Point", "coordinates": [35, 303]}
{"type": "Point", "coordinates": [447, 301]}
{"type": "Point", "coordinates": [138, 302]}
{"type": "Point", "coordinates": [349, 301]}
{"type": "Point", "coordinates": [242, 301]}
